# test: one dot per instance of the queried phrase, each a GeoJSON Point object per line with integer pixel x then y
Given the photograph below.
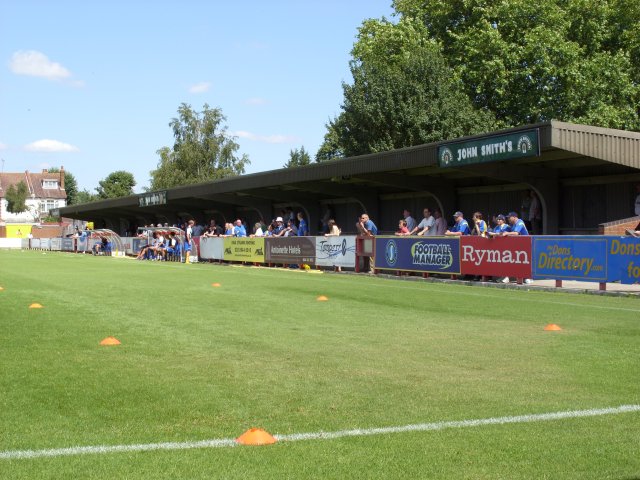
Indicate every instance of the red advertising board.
{"type": "Point", "coordinates": [497, 256]}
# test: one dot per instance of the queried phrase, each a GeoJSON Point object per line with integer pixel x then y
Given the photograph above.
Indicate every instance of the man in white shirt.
{"type": "Point", "coordinates": [426, 226]}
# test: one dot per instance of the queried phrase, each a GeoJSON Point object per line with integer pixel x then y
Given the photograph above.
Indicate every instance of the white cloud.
{"type": "Point", "coordinates": [255, 101]}
{"type": "Point", "coordinates": [201, 87]}
{"type": "Point", "coordinates": [37, 64]}
{"type": "Point", "coordinates": [46, 145]}
{"type": "Point", "coordinates": [266, 138]}
{"type": "Point", "coordinates": [3, 146]}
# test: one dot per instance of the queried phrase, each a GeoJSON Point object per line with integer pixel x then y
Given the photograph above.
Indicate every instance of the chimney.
{"type": "Point", "coordinates": [61, 177]}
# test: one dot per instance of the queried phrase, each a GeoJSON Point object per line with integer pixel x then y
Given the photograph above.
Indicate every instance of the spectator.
{"type": "Point", "coordinates": [516, 226]}
{"type": "Point", "coordinates": [328, 215]}
{"type": "Point", "coordinates": [198, 229]}
{"type": "Point", "coordinates": [366, 227]}
{"type": "Point", "coordinates": [102, 245]}
{"type": "Point", "coordinates": [525, 206]}
{"type": "Point", "coordinates": [258, 232]}
{"type": "Point", "coordinates": [228, 230]}
{"type": "Point", "coordinates": [500, 228]}
{"type": "Point", "coordinates": [239, 230]}
{"type": "Point", "coordinates": [479, 225]}
{"type": "Point", "coordinates": [637, 204]}
{"type": "Point", "coordinates": [427, 225]}
{"type": "Point", "coordinates": [210, 232]}
{"type": "Point", "coordinates": [402, 228]}
{"type": "Point", "coordinates": [535, 214]}
{"type": "Point", "coordinates": [303, 228]}
{"type": "Point", "coordinates": [461, 227]}
{"type": "Point", "coordinates": [440, 225]}
{"type": "Point", "coordinates": [290, 230]}
{"type": "Point", "coordinates": [411, 223]}
{"type": "Point", "coordinates": [279, 226]}
{"type": "Point", "coordinates": [334, 231]}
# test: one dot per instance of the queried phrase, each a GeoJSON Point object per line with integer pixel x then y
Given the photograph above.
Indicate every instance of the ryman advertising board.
{"type": "Point", "coordinates": [412, 254]}
{"type": "Point", "coordinates": [498, 256]}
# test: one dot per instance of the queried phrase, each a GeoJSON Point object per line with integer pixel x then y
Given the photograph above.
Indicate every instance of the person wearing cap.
{"type": "Point", "coordinates": [516, 226]}
{"type": "Point", "coordinates": [461, 227]}
{"type": "Point", "coordinates": [501, 226]}
{"type": "Point", "coordinates": [279, 226]}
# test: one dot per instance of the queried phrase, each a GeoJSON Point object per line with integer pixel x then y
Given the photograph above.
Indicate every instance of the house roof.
{"type": "Point", "coordinates": [34, 182]}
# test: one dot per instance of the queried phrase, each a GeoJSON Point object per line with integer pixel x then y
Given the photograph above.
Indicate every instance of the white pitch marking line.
{"type": "Point", "coordinates": [230, 442]}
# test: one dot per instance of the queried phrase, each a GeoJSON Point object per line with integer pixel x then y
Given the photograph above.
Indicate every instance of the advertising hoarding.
{"type": "Point", "coordinates": [244, 249]}
{"type": "Point", "coordinates": [497, 256]}
{"type": "Point", "coordinates": [623, 260]}
{"type": "Point", "coordinates": [570, 258]}
{"type": "Point", "coordinates": [418, 254]}
{"type": "Point", "coordinates": [291, 250]}
{"type": "Point", "coordinates": [212, 248]}
{"type": "Point", "coordinates": [336, 251]}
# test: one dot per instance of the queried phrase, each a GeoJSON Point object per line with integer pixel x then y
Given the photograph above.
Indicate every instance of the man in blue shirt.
{"type": "Point", "coordinates": [461, 227]}
{"type": "Point", "coordinates": [366, 227]}
{"type": "Point", "coordinates": [303, 229]}
{"type": "Point", "coordinates": [239, 230]}
{"type": "Point", "coordinates": [500, 227]}
{"type": "Point", "coordinates": [516, 226]}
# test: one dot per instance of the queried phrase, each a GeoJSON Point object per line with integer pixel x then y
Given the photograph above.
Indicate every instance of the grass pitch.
{"type": "Point", "coordinates": [199, 362]}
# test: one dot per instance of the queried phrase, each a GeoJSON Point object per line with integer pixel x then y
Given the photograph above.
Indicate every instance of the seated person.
{"type": "Point", "coordinates": [101, 246]}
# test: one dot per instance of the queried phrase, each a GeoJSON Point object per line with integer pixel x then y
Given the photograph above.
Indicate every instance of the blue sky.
{"type": "Point", "coordinates": [92, 86]}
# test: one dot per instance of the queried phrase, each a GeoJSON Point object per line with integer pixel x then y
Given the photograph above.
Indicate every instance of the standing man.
{"type": "Point", "coordinates": [535, 214]}
{"type": "Point", "coordinates": [460, 228]}
{"type": "Point", "coordinates": [303, 228]}
{"type": "Point", "coordinates": [411, 223]}
{"type": "Point", "coordinates": [366, 227]}
{"type": "Point", "coordinates": [427, 225]}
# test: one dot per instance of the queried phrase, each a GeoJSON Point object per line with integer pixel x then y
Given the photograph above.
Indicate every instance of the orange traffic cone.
{"type": "Point", "coordinates": [216, 284]}
{"type": "Point", "coordinates": [256, 436]}
{"type": "Point", "coordinates": [35, 305]}
{"type": "Point", "coordinates": [552, 327]}
{"type": "Point", "coordinates": [322, 298]}
{"type": "Point", "coordinates": [110, 341]}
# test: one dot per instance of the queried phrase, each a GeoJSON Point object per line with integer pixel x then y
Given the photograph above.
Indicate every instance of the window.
{"type": "Point", "coordinates": [49, 184]}
{"type": "Point", "coordinates": [48, 205]}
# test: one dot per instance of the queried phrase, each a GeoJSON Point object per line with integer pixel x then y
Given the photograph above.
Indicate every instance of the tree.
{"type": "Point", "coordinates": [17, 197]}
{"type": "Point", "coordinates": [117, 184]}
{"type": "Point", "coordinates": [403, 94]}
{"type": "Point", "coordinates": [85, 196]}
{"type": "Point", "coordinates": [571, 60]}
{"type": "Point", "coordinates": [298, 158]}
{"type": "Point", "coordinates": [70, 185]}
{"type": "Point", "coordinates": [202, 150]}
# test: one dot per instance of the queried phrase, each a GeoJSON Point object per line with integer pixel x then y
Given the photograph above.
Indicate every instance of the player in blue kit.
{"type": "Point", "coordinates": [461, 227]}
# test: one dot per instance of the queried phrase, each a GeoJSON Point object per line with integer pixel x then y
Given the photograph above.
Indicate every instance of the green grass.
{"type": "Point", "coordinates": [198, 362]}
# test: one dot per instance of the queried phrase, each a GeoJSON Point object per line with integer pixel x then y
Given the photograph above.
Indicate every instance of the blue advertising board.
{"type": "Point", "coordinates": [624, 260]}
{"type": "Point", "coordinates": [570, 258]}
{"type": "Point", "coordinates": [418, 254]}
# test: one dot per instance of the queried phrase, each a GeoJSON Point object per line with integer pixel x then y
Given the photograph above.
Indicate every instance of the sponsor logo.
{"type": "Point", "coordinates": [391, 253]}
{"type": "Point", "coordinates": [446, 156]}
{"type": "Point", "coordinates": [524, 144]}
{"type": "Point", "coordinates": [478, 256]}
{"type": "Point", "coordinates": [227, 251]}
{"type": "Point", "coordinates": [439, 255]}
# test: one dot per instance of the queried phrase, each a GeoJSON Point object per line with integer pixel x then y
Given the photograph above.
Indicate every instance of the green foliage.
{"type": "Point", "coordinates": [571, 60]}
{"type": "Point", "coordinates": [403, 94]}
{"type": "Point", "coordinates": [70, 186]}
{"type": "Point", "coordinates": [298, 158]}
{"type": "Point", "coordinates": [202, 150]}
{"type": "Point", "coordinates": [117, 184]}
{"type": "Point", "coordinates": [85, 196]}
{"type": "Point", "coordinates": [16, 197]}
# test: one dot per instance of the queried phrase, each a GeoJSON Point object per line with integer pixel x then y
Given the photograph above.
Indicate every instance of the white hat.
{"type": "Point", "coordinates": [279, 219]}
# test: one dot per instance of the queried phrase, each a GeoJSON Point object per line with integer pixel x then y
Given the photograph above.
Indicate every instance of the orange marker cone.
{"type": "Point", "coordinates": [256, 436]}
{"type": "Point", "coordinates": [216, 285]}
{"type": "Point", "coordinates": [322, 298]}
{"type": "Point", "coordinates": [110, 341]}
{"type": "Point", "coordinates": [552, 327]}
{"type": "Point", "coordinates": [1, 288]}
{"type": "Point", "coordinates": [35, 305]}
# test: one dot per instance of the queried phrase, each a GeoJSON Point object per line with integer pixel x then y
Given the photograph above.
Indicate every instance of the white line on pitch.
{"type": "Point", "coordinates": [230, 442]}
